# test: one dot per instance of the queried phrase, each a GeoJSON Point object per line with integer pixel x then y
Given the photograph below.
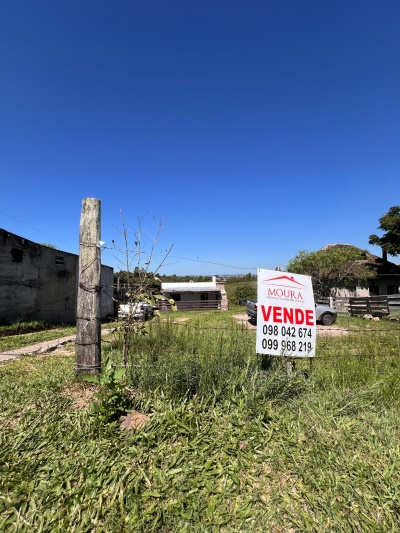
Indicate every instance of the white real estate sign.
{"type": "Point", "coordinates": [285, 314]}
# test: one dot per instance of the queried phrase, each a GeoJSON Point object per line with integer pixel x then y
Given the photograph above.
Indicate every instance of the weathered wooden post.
{"type": "Point", "coordinates": [88, 315]}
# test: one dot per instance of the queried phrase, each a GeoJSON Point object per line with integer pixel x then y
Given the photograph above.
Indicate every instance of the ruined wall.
{"type": "Point", "coordinates": [40, 283]}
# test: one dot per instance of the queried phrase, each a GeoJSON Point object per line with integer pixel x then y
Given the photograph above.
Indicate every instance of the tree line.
{"type": "Point", "coordinates": [139, 273]}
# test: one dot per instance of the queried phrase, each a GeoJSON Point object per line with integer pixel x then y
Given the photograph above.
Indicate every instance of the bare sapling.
{"type": "Point", "coordinates": [141, 286]}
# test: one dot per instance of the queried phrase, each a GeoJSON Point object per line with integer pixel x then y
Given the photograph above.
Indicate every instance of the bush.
{"type": "Point", "coordinates": [245, 292]}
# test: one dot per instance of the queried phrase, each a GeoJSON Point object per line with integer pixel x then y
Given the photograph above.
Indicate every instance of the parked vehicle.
{"type": "Point", "coordinates": [136, 310]}
{"type": "Point", "coordinates": [324, 314]}
{"type": "Point", "coordinates": [251, 309]}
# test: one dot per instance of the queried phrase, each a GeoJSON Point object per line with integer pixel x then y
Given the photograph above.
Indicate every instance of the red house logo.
{"type": "Point", "coordinates": [284, 288]}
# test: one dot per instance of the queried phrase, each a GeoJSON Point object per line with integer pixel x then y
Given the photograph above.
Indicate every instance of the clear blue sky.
{"type": "Point", "coordinates": [255, 129]}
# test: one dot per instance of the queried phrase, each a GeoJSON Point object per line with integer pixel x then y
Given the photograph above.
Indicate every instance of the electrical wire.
{"type": "Point", "coordinates": [124, 251]}
{"type": "Point", "coordinates": [121, 250]}
{"type": "Point", "coordinates": [40, 231]}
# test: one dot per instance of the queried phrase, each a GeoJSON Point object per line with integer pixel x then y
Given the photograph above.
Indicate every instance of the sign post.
{"type": "Point", "coordinates": [285, 314]}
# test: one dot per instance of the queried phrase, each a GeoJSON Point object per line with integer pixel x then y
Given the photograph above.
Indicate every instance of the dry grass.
{"type": "Point", "coordinates": [80, 393]}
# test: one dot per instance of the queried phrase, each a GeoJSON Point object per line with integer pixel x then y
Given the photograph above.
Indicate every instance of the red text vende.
{"type": "Point", "coordinates": [287, 315]}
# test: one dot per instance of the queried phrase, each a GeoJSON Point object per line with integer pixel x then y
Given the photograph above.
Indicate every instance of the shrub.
{"type": "Point", "coordinates": [245, 292]}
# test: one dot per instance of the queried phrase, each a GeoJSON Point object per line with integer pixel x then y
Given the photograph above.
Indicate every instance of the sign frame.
{"type": "Point", "coordinates": [286, 324]}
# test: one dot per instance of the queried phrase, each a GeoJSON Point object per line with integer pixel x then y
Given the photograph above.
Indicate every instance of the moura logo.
{"type": "Point", "coordinates": [284, 293]}
{"type": "Point", "coordinates": [284, 288]}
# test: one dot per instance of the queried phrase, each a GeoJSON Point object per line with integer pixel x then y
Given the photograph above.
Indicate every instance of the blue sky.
{"type": "Point", "coordinates": [252, 129]}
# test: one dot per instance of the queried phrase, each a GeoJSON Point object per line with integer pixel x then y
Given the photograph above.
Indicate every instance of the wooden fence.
{"type": "Point", "coordinates": [340, 303]}
{"type": "Point", "coordinates": [394, 305]}
{"type": "Point", "coordinates": [371, 305]}
{"type": "Point", "coordinates": [191, 305]}
{"type": "Point", "coordinates": [376, 306]}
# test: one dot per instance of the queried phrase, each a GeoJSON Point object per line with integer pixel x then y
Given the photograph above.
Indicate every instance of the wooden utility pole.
{"type": "Point", "coordinates": [88, 313]}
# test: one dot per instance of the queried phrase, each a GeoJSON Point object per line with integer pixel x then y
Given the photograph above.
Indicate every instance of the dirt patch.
{"type": "Point", "coordinates": [134, 421]}
{"type": "Point", "coordinates": [323, 331]}
{"type": "Point", "coordinates": [81, 394]}
{"type": "Point", "coordinates": [243, 320]}
{"type": "Point", "coordinates": [331, 331]}
{"type": "Point", "coordinates": [60, 351]}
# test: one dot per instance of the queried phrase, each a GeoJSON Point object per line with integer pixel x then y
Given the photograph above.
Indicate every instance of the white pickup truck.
{"type": "Point", "coordinates": [137, 310]}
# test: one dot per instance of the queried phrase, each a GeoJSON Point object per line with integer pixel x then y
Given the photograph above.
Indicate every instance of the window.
{"type": "Point", "coordinates": [392, 289]}
{"type": "Point", "coordinates": [374, 290]}
{"type": "Point", "coordinates": [60, 261]}
{"type": "Point", "coordinates": [17, 255]}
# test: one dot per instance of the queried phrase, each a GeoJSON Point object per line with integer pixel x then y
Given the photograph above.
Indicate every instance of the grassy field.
{"type": "Point", "coordinates": [233, 444]}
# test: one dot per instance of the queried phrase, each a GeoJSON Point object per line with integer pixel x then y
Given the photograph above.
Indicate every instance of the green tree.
{"type": "Point", "coordinates": [245, 292]}
{"type": "Point", "coordinates": [390, 223]}
{"type": "Point", "coordinates": [332, 267]}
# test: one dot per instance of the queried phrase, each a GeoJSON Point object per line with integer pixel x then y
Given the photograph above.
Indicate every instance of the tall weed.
{"type": "Point", "coordinates": [186, 360]}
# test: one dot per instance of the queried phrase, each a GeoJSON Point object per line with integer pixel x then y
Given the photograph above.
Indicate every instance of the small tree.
{"type": "Point", "coordinates": [331, 267]}
{"type": "Point", "coordinates": [140, 281]}
{"type": "Point", "coordinates": [245, 292]}
{"type": "Point", "coordinates": [390, 223]}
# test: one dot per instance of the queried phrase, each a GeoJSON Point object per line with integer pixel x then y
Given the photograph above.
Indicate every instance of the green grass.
{"type": "Point", "coordinates": [256, 451]}
{"type": "Point", "coordinates": [22, 334]}
{"type": "Point", "coordinates": [19, 341]}
{"type": "Point", "coordinates": [20, 327]}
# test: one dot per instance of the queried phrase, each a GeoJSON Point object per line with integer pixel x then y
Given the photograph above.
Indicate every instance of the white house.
{"type": "Point", "coordinates": [197, 295]}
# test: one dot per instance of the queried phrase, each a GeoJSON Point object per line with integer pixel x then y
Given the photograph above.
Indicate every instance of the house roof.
{"type": "Point", "coordinates": [382, 266]}
{"type": "Point", "coordinates": [190, 287]}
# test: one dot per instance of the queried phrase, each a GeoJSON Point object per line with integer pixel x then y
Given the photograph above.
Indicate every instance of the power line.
{"type": "Point", "coordinates": [131, 251]}
{"type": "Point", "coordinates": [39, 230]}
{"type": "Point", "coordinates": [179, 257]}
{"type": "Point", "coordinates": [212, 263]}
